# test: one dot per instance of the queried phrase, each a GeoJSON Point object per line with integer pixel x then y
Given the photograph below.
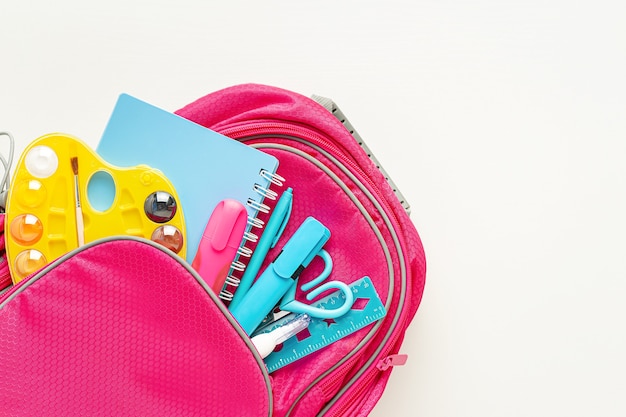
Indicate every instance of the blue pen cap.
{"type": "Point", "coordinates": [300, 250]}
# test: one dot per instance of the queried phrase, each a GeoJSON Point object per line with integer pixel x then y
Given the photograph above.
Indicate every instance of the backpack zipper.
{"type": "Point", "coordinates": [354, 396]}
{"type": "Point", "coordinates": [365, 379]}
{"type": "Point", "coordinates": [265, 129]}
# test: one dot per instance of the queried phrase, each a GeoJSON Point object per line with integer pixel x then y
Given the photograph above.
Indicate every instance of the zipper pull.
{"type": "Point", "coordinates": [392, 360]}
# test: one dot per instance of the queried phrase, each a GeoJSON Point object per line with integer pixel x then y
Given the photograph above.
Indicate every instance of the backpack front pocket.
{"type": "Point", "coordinates": [123, 327]}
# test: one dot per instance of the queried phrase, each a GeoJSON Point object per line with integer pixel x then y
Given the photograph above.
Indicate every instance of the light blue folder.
{"type": "Point", "coordinates": [204, 166]}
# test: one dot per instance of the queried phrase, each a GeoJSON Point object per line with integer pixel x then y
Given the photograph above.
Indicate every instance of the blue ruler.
{"type": "Point", "coordinates": [366, 309]}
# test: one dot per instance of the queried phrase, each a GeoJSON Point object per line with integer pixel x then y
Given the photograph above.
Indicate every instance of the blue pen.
{"type": "Point", "coordinates": [273, 231]}
{"type": "Point", "coordinates": [305, 244]}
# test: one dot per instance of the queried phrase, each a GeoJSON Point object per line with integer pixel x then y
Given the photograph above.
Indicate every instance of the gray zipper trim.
{"type": "Point", "coordinates": [189, 269]}
{"type": "Point", "coordinates": [369, 219]}
{"type": "Point", "coordinates": [334, 109]}
{"type": "Point", "coordinates": [222, 308]}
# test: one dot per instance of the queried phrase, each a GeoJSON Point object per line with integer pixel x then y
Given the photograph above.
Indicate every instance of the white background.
{"type": "Point", "coordinates": [503, 122]}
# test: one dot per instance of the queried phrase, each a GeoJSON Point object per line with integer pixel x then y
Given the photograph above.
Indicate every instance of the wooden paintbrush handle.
{"type": "Point", "coordinates": [80, 226]}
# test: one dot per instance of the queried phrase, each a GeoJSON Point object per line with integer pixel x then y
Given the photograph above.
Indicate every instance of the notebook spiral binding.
{"type": "Point", "coordinates": [256, 222]}
{"type": "Point", "coordinates": [251, 237]}
{"type": "Point", "coordinates": [272, 177]}
{"type": "Point", "coordinates": [265, 192]}
{"type": "Point", "coordinates": [226, 295]}
{"type": "Point", "coordinates": [253, 222]}
{"type": "Point", "coordinates": [238, 266]}
{"type": "Point", "coordinates": [231, 280]}
{"type": "Point", "coordinates": [258, 206]}
{"type": "Point", "coordinates": [244, 251]}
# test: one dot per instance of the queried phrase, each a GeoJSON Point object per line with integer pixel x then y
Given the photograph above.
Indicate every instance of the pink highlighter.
{"type": "Point", "coordinates": [219, 243]}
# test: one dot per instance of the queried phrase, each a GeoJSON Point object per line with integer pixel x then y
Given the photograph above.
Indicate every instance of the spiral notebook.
{"type": "Point", "coordinates": [204, 166]}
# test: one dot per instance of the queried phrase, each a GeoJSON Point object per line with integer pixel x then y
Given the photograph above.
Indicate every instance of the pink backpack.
{"type": "Point", "coordinates": [123, 327]}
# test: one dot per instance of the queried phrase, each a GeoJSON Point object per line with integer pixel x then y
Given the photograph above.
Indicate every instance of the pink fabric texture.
{"type": "Point", "coordinates": [353, 245]}
{"type": "Point", "coordinates": [123, 329]}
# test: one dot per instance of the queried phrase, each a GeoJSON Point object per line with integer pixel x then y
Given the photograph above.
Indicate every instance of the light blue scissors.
{"type": "Point", "coordinates": [289, 303]}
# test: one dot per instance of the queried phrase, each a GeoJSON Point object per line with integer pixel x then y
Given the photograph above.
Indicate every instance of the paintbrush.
{"type": "Point", "coordinates": [80, 227]}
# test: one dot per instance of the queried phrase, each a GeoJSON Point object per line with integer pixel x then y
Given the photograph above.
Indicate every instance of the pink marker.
{"type": "Point", "coordinates": [219, 243]}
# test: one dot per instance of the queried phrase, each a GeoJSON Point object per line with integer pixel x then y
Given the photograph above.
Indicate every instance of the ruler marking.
{"type": "Point", "coordinates": [322, 332]}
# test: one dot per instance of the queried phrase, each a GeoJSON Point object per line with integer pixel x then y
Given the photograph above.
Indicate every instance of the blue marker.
{"type": "Point", "coordinates": [281, 274]}
{"type": "Point", "coordinates": [273, 231]}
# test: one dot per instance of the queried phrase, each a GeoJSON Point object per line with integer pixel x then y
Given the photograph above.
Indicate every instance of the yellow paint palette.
{"type": "Point", "coordinates": [64, 195]}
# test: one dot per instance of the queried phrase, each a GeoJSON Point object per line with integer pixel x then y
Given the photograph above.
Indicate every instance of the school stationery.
{"type": "Point", "coordinates": [289, 302]}
{"type": "Point", "coordinates": [63, 194]}
{"type": "Point", "coordinates": [304, 245]}
{"type": "Point", "coordinates": [266, 342]}
{"type": "Point", "coordinates": [220, 243]}
{"type": "Point", "coordinates": [272, 232]}
{"type": "Point", "coordinates": [335, 179]}
{"type": "Point", "coordinates": [322, 332]}
{"type": "Point", "coordinates": [80, 226]}
{"type": "Point", "coordinates": [124, 318]}
{"type": "Point", "coordinates": [204, 166]}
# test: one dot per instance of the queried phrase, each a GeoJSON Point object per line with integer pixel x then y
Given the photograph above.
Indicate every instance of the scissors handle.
{"type": "Point", "coordinates": [328, 267]}
{"type": "Point", "coordinates": [290, 304]}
